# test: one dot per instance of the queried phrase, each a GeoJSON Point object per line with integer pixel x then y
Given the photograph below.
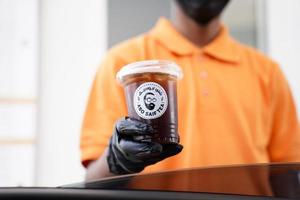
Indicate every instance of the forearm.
{"type": "Point", "coordinates": [98, 169]}
{"type": "Point", "coordinates": [125, 155]}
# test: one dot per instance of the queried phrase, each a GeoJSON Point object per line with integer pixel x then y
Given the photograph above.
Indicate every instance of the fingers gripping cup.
{"type": "Point", "coordinates": [151, 96]}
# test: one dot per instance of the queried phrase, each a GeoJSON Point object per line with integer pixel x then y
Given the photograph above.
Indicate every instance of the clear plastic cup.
{"type": "Point", "coordinates": [151, 96]}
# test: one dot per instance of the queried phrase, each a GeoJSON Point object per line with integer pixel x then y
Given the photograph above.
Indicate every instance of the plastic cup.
{"type": "Point", "coordinates": [151, 96]}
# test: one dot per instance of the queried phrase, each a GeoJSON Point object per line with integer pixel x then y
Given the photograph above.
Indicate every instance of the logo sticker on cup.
{"type": "Point", "coordinates": [150, 100]}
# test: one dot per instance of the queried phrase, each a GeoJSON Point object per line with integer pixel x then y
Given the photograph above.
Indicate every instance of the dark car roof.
{"type": "Point", "coordinates": [265, 180]}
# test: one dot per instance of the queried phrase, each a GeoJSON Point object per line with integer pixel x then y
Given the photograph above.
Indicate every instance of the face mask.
{"type": "Point", "coordinates": [202, 11]}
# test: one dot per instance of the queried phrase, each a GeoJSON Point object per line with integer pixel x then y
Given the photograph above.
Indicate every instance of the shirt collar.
{"type": "Point", "coordinates": [223, 47]}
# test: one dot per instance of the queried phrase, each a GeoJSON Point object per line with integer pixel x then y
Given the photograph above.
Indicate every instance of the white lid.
{"type": "Point", "coordinates": [150, 66]}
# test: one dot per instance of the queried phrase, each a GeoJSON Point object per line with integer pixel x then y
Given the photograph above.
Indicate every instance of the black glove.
{"type": "Point", "coordinates": [127, 155]}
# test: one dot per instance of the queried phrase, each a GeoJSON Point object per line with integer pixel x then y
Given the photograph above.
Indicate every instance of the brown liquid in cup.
{"type": "Point", "coordinates": [165, 126]}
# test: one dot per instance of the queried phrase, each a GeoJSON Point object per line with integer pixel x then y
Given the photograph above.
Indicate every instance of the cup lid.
{"type": "Point", "coordinates": [149, 66]}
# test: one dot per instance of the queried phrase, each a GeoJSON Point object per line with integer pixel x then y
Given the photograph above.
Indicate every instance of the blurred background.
{"type": "Point", "coordinates": [50, 50]}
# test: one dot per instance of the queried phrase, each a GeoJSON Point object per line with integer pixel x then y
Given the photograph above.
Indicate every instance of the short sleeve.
{"type": "Point", "coordinates": [106, 104]}
{"type": "Point", "coordinates": [284, 143]}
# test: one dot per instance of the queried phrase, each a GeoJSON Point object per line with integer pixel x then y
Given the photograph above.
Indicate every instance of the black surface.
{"type": "Point", "coordinates": [263, 181]}
{"type": "Point", "coordinates": [276, 180]}
{"type": "Point", "coordinates": [85, 194]}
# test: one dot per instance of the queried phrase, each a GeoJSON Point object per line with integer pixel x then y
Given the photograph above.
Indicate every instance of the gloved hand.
{"type": "Point", "coordinates": [127, 155]}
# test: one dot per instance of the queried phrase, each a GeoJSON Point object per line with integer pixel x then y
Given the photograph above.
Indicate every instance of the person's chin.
{"type": "Point", "coordinates": [150, 106]}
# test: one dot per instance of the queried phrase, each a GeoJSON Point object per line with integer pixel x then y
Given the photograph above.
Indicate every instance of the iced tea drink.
{"type": "Point", "coordinates": [151, 96]}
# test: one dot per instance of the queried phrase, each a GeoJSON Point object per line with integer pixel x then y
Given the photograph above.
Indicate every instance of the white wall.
{"type": "Point", "coordinates": [283, 39]}
{"type": "Point", "coordinates": [73, 39]}
{"type": "Point", "coordinates": [18, 81]}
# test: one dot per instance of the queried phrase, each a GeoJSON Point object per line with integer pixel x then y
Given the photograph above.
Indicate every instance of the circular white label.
{"type": "Point", "coordinates": [150, 100]}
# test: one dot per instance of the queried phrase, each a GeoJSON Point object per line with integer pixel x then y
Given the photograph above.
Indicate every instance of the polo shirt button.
{"type": "Point", "coordinates": [203, 74]}
{"type": "Point", "coordinates": [200, 58]}
{"type": "Point", "coordinates": [205, 92]}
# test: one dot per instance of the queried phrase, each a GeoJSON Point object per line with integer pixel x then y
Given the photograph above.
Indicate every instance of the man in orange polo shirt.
{"type": "Point", "coordinates": [235, 106]}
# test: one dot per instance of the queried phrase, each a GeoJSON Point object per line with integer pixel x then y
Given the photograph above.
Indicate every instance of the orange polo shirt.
{"type": "Point", "coordinates": [234, 103]}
